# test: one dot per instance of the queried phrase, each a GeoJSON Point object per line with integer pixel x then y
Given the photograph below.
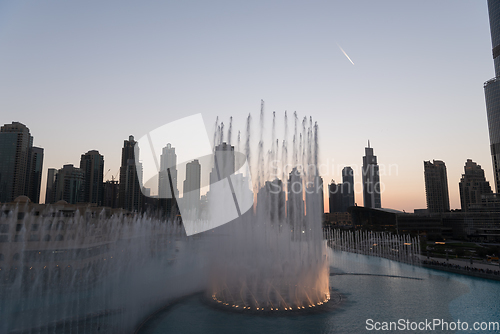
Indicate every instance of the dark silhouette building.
{"type": "Point", "coordinates": [34, 178]}
{"type": "Point", "coordinates": [69, 184]}
{"type": "Point", "coordinates": [130, 196]}
{"type": "Point", "coordinates": [335, 197]}
{"type": "Point", "coordinates": [371, 180]}
{"type": "Point", "coordinates": [20, 163]}
{"type": "Point", "coordinates": [473, 185]}
{"type": "Point", "coordinates": [92, 165]}
{"type": "Point", "coordinates": [110, 194]}
{"type": "Point", "coordinates": [50, 192]}
{"type": "Point", "coordinates": [492, 91]}
{"type": "Point", "coordinates": [436, 186]}
{"type": "Point", "coordinates": [347, 188]}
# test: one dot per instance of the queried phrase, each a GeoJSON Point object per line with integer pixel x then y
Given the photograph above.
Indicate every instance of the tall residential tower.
{"type": "Point", "coordinates": [436, 186]}
{"type": "Point", "coordinates": [492, 91]}
{"type": "Point", "coordinates": [472, 185]}
{"type": "Point", "coordinates": [20, 163]}
{"type": "Point", "coordinates": [92, 165]}
{"type": "Point", "coordinates": [371, 180]}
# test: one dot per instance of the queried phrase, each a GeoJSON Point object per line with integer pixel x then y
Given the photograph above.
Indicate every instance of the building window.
{"type": "Point", "coordinates": [34, 227]}
{"type": "Point", "coordinates": [4, 228]}
{"type": "Point", "coordinates": [59, 237]}
{"type": "Point", "coordinates": [46, 237]}
{"type": "Point", "coordinates": [4, 238]}
{"type": "Point", "coordinates": [19, 227]}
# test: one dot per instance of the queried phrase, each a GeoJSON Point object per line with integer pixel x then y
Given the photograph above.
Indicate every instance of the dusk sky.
{"type": "Point", "coordinates": [86, 75]}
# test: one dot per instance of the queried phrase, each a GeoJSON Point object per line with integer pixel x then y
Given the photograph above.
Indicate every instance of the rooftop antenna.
{"type": "Point", "coordinates": [368, 143]}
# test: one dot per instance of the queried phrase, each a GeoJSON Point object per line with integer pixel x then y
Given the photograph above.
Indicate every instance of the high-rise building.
{"type": "Point", "coordinates": [69, 184]}
{"type": "Point", "coordinates": [472, 185]}
{"type": "Point", "coordinates": [295, 196]}
{"type": "Point", "coordinates": [436, 186]}
{"type": "Point", "coordinates": [92, 164]}
{"type": "Point", "coordinates": [34, 178]}
{"type": "Point", "coordinates": [168, 162]}
{"type": "Point", "coordinates": [110, 194]}
{"type": "Point", "coordinates": [192, 185]}
{"type": "Point", "coordinates": [492, 91]}
{"type": "Point", "coordinates": [347, 188]}
{"type": "Point", "coordinates": [314, 197]}
{"type": "Point", "coordinates": [223, 162]}
{"type": "Point", "coordinates": [130, 196]}
{"type": "Point", "coordinates": [371, 180]}
{"type": "Point", "coordinates": [335, 197]}
{"type": "Point", "coordinates": [20, 163]}
{"type": "Point", "coordinates": [50, 192]}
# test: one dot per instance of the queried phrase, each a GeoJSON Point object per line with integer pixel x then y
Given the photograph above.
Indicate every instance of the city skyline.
{"type": "Point", "coordinates": [405, 89]}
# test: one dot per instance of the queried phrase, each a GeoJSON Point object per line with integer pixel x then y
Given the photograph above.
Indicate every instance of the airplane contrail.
{"type": "Point", "coordinates": [345, 54]}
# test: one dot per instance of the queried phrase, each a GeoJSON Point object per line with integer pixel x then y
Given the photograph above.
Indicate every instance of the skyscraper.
{"type": "Point", "coordinates": [314, 197]}
{"type": "Point", "coordinates": [34, 178]}
{"type": "Point", "coordinates": [347, 188]}
{"type": "Point", "coordinates": [110, 193]}
{"type": "Point", "coordinates": [50, 192]}
{"type": "Point", "coordinates": [436, 186]}
{"type": "Point", "coordinates": [335, 197]}
{"type": "Point", "coordinates": [168, 160]}
{"type": "Point", "coordinates": [492, 91]}
{"type": "Point", "coordinates": [192, 185]}
{"type": "Point", "coordinates": [69, 184]}
{"type": "Point", "coordinates": [472, 185]}
{"type": "Point", "coordinates": [223, 162]}
{"type": "Point", "coordinates": [371, 180]}
{"type": "Point", "coordinates": [129, 196]}
{"type": "Point", "coordinates": [20, 163]}
{"type": "Point", "coordinates": [92, 165]}
{"type": "Point", "coordinates": [295, 196]}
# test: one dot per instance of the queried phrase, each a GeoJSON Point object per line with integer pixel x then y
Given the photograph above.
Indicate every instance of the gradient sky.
{"type": "Point", "coordinates": [85, 75]}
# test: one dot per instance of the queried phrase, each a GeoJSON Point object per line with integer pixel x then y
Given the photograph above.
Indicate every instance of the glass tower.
{"type": "Point", "coordinates": [492, 91]}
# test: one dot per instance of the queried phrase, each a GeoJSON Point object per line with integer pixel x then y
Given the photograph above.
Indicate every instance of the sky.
{"type": "Point", "coordinates": [86, 75]}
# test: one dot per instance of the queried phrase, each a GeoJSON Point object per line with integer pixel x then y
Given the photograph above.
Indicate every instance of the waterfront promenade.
{"type": "Point", "coordinates": [462, 266]}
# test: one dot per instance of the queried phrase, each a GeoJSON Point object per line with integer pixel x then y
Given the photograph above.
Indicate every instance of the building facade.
{"type": "Point", "coordinates": [69, 184]}
{"type": "Point", "coordinates": [492, 91]}
{"type": "Point", "coordinates": [335, 197]}
{"type": "Point", "coordinates": [92, 165]}
{"type": "Point", "coordinates": [224, 162]}
{"type": "Point", "coordinates": [168, 163]}
{"type": "Point", "coordinates": [192, 185]}
{"type": "Point", "coordinates": [436, 186]}
{"type": "Point", "coordinates": [34, 178]}
{"type": "Point", "coordinates": [130, 196]}
{"type": "Point", "coordinates": [371, 180]}
{"type": "Point", "coordinates": [20, 163]}
{"type": "Point", "coordinates": [347, 188]}
{"type": "Point", "coordinates": [295, 199]}
{"type": "Point", "coordinates": [473, 185]}
{"type": "Point", "coordinates": [50, 191]}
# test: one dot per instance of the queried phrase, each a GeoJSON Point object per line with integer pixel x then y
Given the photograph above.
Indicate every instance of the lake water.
{"type": "Point", "coordinates": [372, 288]}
